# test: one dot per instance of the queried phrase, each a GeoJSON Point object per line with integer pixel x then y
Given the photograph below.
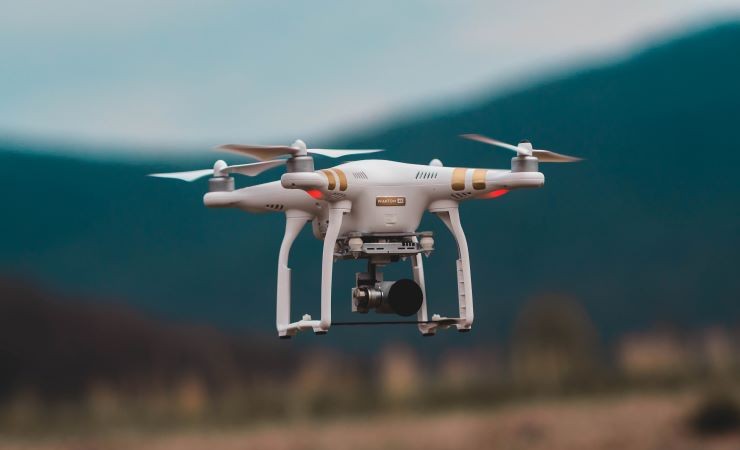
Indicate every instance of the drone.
{"type": "Point", "coordinates": [368, 209]}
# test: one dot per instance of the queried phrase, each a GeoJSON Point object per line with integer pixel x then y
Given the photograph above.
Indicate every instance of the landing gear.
{"type": "Point", "coordinates": [404, 297]}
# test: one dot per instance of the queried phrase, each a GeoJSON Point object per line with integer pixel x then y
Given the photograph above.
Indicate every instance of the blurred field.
{"type": "Point", "coordinates": [634, 421]}
{"type": "Point", "coordinates": [90, 376]}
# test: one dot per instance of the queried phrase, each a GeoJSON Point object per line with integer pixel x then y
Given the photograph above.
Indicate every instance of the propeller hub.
{"type": "Point", "coordinates": [218, 167]}
{"type": "Point", "coordinates": [301, 147]}
{"type": "Point", "coordinates": [220, 181]}
{"type": "Point", "coordinates": [525, 148]}
{"type": "Point", "coordinates": [301, 161]}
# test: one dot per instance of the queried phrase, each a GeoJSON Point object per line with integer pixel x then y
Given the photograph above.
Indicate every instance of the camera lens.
{"type": "Point", "coordinates": [405, 297]}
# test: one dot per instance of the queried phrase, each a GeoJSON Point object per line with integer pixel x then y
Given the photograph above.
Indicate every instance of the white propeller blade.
{"type": "Point", "coordinates": [486, 140]}
{"type": "Point", "coordinates": [548, 156]}
{"type": "Point", "coordinates": [269, 152]}
{"type": "Point", "coordinates": [339, 153]}
{"type": "Point", "coordinates": [221, 169]}
{"type": "Point", "coordinates": [524, 149]}
{"type": "Point", "coordinates": [261, 152]}
{"type": "Point", "coordinates": [253, 169]}
{"type": "Point", "coordinates": [191, 175]}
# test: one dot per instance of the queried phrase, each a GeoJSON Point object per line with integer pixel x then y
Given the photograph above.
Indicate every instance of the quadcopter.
{"type": "Point", "coordinates": [368, 209]}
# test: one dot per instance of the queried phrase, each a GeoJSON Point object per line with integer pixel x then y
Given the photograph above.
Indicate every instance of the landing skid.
{"type": "Point", "coordinates": [427, 327]}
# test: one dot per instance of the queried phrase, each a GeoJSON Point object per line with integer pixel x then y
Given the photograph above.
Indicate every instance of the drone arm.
{"type": "Point", "coordinates": [294, 223]}
{"type": "Point", "coordinates": [451, 218]}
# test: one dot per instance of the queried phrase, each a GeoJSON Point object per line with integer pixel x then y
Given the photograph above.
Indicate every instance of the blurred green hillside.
{"type": "Point", "coordinates": [645, 230]}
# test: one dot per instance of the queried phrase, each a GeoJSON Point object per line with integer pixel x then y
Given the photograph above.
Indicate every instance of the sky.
{"type": "Point", "coordinates": [180, 75]}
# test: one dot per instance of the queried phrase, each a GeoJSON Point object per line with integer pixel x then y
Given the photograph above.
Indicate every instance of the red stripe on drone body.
{"type": "Point", "coordinates": [495, 194]}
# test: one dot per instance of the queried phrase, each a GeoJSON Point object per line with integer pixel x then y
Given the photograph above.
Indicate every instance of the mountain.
{"type": "Point", "coordinates": [645, 230]}
{"type": "Point", "coordinates": [62, 347]}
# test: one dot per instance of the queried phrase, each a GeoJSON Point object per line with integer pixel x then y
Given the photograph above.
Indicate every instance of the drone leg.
{"type": "Point", "coordinates": [451, 218]}
{"type": "Point", "coordinates": [336, 216]}
{"type": "Point", "coordinates": [294, 223]}
{"type": "Point", "coordinates": [417, 267]}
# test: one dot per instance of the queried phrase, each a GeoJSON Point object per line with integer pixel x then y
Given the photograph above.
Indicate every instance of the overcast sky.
{"type": "Point", "coordinates": [170, 73]}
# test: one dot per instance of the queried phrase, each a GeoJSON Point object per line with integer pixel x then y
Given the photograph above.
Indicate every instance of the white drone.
{"type": "Point", "coordinates": [368, 209]}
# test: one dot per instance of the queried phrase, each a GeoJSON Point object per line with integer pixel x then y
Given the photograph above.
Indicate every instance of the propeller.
{"type": "Point", "coordinates": [298, 148]}
{"type": "Point", "coordinates": [523, 149]}
{"type": "Point", "coordinates": [222, 169]}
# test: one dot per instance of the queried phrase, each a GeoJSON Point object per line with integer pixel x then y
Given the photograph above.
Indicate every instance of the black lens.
{"type": "Point", "coordinates": [405, 297]}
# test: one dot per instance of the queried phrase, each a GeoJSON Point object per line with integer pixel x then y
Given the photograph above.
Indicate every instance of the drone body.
{"type": "Point", "coordinates": [369, 209]}
{"type": "Point", "coordinates": [381, 196]}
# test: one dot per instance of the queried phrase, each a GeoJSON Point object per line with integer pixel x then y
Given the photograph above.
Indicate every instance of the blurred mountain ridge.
{"type": "Point", "coordinates": [645, 229]}
{"type": "Point", "coordinates": [61, 347]}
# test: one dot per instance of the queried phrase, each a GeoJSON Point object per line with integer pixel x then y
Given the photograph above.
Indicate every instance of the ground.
{"type": "Point", "coordinates": [634, 421]}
